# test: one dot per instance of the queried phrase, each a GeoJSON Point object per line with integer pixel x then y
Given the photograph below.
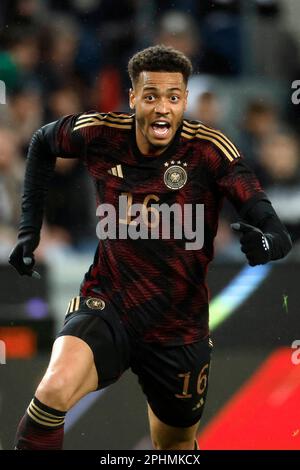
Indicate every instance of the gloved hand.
{"type": "Point", "coordinates": [255, 244]}
{"type": "Point", "coordinates": [22, 257]}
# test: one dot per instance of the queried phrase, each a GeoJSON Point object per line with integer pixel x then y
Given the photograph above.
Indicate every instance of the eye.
{"type": "Point", "coordinates": [175, 98]}
{"type": "Point", "coordinates": [150, 98]}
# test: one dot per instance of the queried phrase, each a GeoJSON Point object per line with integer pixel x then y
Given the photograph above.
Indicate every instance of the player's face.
{"type": "Point", "coordinates": [159, 100]}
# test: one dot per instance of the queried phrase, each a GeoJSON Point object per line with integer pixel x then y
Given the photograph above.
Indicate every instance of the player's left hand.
{"type": "Point", "coordinates": [22, 257]}
{"type": "Point", "coordinates": [254, 243]}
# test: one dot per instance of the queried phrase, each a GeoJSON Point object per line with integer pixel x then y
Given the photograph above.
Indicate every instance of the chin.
{"type": "Point", "coordinates": [160, 145]}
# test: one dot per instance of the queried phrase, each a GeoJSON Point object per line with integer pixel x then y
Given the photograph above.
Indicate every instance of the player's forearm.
{"type": "Point", "coordinates": [39, 170]}
{"type": "Point", "coordinates": [263, 216]}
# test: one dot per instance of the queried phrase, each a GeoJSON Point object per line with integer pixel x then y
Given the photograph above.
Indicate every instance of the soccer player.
{"type": "Point", "coordinates": [143, 304]}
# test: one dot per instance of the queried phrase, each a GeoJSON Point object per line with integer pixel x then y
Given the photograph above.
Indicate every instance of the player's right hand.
{"type": "Point", "coordinates": [22, 257]}
{"type": "Point", "coordinates": [254, 243]}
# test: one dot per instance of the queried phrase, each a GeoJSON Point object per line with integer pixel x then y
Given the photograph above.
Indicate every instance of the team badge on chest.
{"type": "Point", "coordinates": [175, 176]}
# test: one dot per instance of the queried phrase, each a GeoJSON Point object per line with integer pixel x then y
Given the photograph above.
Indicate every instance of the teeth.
{"type": "Point", "coordinates": [161, 123]}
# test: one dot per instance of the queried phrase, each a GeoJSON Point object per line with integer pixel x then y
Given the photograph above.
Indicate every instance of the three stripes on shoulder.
{"type": "Point", "coordinates": [120, 121]}
{"type": "Point", "coordinates": [190, 131]}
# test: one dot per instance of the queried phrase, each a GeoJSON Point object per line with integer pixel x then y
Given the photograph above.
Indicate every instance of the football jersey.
{"type": "Point", "coordinates": [156, 283]}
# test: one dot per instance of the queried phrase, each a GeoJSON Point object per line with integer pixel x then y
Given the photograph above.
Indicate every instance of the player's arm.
{"type": "Point", "coordinates": [54, 140]}
{"type": "Point", "coordinates": [263, 236]}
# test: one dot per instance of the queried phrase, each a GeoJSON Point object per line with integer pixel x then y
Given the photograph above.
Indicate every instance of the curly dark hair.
{"type": "Point", "coordinates": [159, 58]}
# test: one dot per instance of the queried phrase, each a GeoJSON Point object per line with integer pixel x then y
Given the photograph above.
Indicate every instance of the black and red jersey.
{"type": "Point", "coordinates": [157, 285]}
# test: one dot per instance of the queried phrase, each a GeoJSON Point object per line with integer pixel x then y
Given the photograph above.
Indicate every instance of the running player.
{"type": "Point", "coordinates": [143, 304]}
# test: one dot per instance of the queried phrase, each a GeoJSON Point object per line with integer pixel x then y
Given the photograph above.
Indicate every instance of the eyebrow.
{"type": "Point", "coordinates": [147, 88]}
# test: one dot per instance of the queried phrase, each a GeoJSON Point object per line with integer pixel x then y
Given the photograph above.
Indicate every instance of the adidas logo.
{"type": "Point", "coordinates": [116, 171]}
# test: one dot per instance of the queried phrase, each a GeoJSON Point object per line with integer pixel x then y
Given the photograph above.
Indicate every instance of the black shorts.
{"type": "Point", "coordinates": [173, 378]}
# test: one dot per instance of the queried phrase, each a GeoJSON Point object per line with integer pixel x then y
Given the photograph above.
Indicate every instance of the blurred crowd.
{"type": "Point", "coordinates": [59, 58]}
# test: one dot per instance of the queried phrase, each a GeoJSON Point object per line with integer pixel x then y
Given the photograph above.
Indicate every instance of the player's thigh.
{"type": "Point", "coordinates": [71, 373]}
{"type": "Point", "coordinates": [70, 352]}
{"type": "Point", "coordinates": [99, 327]}
{"type": "Point", "coordinates": [165, 436]}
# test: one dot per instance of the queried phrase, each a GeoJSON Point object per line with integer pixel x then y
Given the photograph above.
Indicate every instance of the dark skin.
{"type": "Point", "coordinates": [158, 97]}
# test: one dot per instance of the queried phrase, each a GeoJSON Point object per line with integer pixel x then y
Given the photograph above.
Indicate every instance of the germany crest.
{"type": "Point", "coordinates": [175, 176]}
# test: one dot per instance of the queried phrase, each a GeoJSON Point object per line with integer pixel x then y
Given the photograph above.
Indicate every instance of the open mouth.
{"type": "Point", "coordinates": [160, 128]}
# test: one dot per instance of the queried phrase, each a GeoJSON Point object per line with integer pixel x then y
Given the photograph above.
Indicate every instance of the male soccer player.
{"type": "Point", "coordinates": [143, 303]}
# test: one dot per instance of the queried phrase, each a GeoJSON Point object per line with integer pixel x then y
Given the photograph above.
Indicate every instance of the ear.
{"type": "Point", "coordinates": [131, 98]}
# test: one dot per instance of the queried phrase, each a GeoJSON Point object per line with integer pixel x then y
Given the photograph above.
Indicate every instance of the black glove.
{"type": "Point", "coordinates": [255, 244]}
{"type": "Point", "coordinates": [22, 257]}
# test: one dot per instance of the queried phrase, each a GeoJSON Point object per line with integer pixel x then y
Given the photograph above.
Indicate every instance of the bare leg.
{"type": "Point", "coordinates": [71, 375]}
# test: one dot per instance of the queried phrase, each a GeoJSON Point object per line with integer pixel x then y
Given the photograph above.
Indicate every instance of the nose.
{"type": "Point", "coordinates": [162, 107]}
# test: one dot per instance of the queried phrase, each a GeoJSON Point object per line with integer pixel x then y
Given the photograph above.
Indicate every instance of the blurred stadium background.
{"type": "Point", "coordinates": [59, 58]}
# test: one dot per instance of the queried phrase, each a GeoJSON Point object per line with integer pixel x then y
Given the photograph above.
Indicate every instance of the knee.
{"type": "Point", "coordinates": [55, 390]}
